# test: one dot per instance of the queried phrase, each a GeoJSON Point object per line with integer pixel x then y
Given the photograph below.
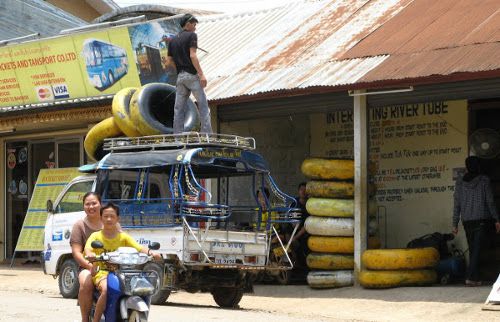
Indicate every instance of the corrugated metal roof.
{"type": "Point", "coordinates": [23, 17]}
{"type": "Point", "coordinates": [344, 42]}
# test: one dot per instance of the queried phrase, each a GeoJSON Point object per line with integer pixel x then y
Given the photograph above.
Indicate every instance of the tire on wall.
{"type": "Point", "coordinates": [152, 110]}
{"type": "Point", "coordinates": [394, 259]}
{"type": "Point", "coordinates": [390, 278]}
{"type": "Point", "coordinates": [328, 207]}
{"type": "Point", "coordinates": [121, 111]}
{"type": "Point", "coordinates": [95, 137]}
{"type": "Point", "coordinates": [340, 245]}
{"type": "Point", "coordinates": [326, 169]}
{"type": "Point", "coordinates": [330, 279]}
{"type": "Point", "coordinates": [330, 261]}
{"type": "Point", "coordinates": [331, 226]}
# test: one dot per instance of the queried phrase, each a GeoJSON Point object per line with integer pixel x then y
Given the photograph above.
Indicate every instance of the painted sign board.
{"type": "Point", "coordinates": [49, 184]}
{"type": "Point", "coordinates": [86, 64]}
{"type": "Point", "coordinates": [417, 150]}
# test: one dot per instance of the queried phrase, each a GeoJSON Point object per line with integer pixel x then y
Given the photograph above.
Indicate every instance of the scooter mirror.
{"type": "Point", "coordinates": [97, 244]}
{"type": "Point", "coordinates": [154, 246]}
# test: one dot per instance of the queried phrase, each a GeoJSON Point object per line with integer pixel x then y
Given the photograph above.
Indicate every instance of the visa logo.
{"type": "Point", "coordinates": [60, 91]}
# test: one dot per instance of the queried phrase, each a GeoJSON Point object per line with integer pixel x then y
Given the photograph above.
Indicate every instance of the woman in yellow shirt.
{"type": "Point", "coordinates": [111, 238]}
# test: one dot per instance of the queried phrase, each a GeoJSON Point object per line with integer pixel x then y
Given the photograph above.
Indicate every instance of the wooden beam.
{"type": "Point", "coordinates": [360, 115]}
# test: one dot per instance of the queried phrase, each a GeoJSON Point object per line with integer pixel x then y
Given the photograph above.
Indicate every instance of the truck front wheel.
{"type": "Point", "coordinates": [227, 297]}
{"type": "Point", "coordinates": [68, 279]}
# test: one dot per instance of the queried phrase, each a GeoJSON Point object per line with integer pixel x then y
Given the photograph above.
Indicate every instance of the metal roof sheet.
{"type": "Point", "coordinates": [344, 42]}
{"type": "Point", "coordinates": [23, 17]}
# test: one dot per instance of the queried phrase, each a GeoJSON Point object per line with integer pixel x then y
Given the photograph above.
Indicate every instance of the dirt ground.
{"type": "Point", "coordinates": [289, 303]}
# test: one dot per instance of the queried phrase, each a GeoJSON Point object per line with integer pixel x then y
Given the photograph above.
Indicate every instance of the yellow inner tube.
{"type": "Point", "coordinates": [330, 261]}
{"type": "Point", "coordinates": [330, 189]}
{"type": "Point", "coordinates": [96, 135]}
{"type": "Point", "coordinates": [328, 207]}
{"type": "Point", "coordinates": [121, 111]}
{"type": "Point", "coordinates": [340, 245]}
{"type": "Point", "coordinates": [386, 279]}
{"type": "Point", "coordinates": [325, 169]}
{"type": "Point", "coordinates": [391, 259]}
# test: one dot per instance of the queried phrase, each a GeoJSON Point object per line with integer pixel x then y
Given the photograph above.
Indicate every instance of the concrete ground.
{"type": "Point", "coordinates": [290, 303]}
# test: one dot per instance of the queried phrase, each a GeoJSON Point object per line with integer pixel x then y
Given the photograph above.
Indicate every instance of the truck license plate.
{"type": "Point", "coordinates": [225, 259]}
{"type": "Point", "coordinates": [227, 247]}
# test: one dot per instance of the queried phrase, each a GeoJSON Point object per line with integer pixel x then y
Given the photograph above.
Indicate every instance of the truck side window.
{"type": "Point", "coordinates": [72, 201]}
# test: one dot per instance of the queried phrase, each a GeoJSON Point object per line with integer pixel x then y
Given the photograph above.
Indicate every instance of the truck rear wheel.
{"type": "Point", "coordinates": [227, 297]}
{"type": "Point", "coordinates": [160, 296]}
{"type": "Point", "coordinates": [68, 279]}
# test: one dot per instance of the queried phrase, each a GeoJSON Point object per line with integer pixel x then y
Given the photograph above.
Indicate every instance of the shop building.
{"type": "Point", "coordinates": [400, 83]}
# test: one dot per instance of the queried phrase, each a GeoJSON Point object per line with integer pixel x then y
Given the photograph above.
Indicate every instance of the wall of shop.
{"type": "Point", "coordinates": [417, 151]}
{"type": "Point", "coordinates": [282, 141]}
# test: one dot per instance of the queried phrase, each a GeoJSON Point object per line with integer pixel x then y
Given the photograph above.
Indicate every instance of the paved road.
{"type": "Point", "coordinates": [28, 295]}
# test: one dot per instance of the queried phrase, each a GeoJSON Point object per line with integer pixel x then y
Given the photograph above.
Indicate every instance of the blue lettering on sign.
{"type": "Point", "coordinates": [58, 235]}
{"type": "Point", "coordinates": [60, 91]}
{"type": "Point", "coordinates": [47, 255]}
{"type": "Point", "coordinates": [144, 241]}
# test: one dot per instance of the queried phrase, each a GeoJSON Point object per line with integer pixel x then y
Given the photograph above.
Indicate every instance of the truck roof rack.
{"type": "Point", "coordinates": [176, 141]}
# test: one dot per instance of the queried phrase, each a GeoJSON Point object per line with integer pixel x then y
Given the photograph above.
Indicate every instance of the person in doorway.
{"type": "Point", "coordinates": [111, 238]}
{"type": "Point", "coordinates": [300, 238]}
{"type": "Point", "coordinates": [81, 231]}
{"type": "Point", "coordinates": [190, 78]}
{"type": "Point", "coordinates": [475, 206]}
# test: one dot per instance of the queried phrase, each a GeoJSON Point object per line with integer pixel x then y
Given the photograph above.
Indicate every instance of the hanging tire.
{"type": "Point", "coordinates": [152, 110]}
{"type": "Point", "coordinates": [340, 245]}
{"type": "Point", "coordinates": [95, 138]}
{"type": "Point", "coordinates": [160, 296]}
{"type": "Point", "coordinates": [137, 316]}
{"type": "Point", "coordinates": [330, 279]}
{"type": "Point", "coordinates": [330, 261]}
{"type": "Point", "coordinates": [68, 279]}
{"type": "Point", "coordinates": [393, 259]}
{"type": "Point", "coordinates": [331, 226]}
{"type": "Point", "coordinates": [121, 111]}
{"type": "Point", "coordinates": [227, 297]}
{"type": "Point", "coordinates": [328, 207]}
{"type": "Point", "coordinates": [326, 169]}
{"type": "Point", "coordinates": [391, 278]}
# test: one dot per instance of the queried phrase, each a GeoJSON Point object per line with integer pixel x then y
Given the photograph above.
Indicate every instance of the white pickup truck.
{"type": "Point", "coordinates": [159, 184]}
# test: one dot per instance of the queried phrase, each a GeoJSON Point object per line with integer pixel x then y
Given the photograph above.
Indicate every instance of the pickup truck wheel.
{"type": "Point", "coordinates": [160, 296]}
{"type": "Point", "coordinates": [68, 279]}
{"type": "Point", "coordinates": [227, 297]}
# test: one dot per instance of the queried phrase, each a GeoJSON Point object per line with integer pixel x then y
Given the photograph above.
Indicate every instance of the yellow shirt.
{"type": "Point", "coordinates": [110, 244]}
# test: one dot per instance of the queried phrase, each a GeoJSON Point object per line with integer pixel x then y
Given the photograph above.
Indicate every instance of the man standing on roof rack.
{"type": "Point", "coordinates": [190, 77]}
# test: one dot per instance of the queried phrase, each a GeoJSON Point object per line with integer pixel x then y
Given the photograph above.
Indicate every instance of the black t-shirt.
{"type": "Point", "coordinates": [178, 49]}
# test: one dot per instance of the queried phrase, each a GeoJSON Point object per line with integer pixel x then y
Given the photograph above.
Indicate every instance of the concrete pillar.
{"type": "Point", "coordinates": [360, 115]}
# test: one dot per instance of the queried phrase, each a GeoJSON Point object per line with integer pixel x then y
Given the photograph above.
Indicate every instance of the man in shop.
{"type": "Point", "coordinates": [300, 239]}
{"type": "Point", "coordinates": [475, 206]}
{"type": "Point", "coordinates": [190, 78]}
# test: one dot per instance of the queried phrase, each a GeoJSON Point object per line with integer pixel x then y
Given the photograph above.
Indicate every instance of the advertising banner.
{"type": "Point", "coordinates": [49, 184]}
{"type": "Point", "coordinates": [86, 64]}
{"type": "Point", "coordinates": [417, 149]}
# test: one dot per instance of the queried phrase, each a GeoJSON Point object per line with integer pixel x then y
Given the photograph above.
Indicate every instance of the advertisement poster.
{"type": "Point", "coordinates": [86, 64]}
{"type": "Point", "coordinates": [49, 184]}
{"type": "Point", "coordinates": [417, 149]}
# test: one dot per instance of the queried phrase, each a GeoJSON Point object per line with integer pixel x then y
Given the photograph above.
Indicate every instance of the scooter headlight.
{"type": "Point", "coordinates": [129, 259]}
{"type": "Point", "coordinates": [140, 285]}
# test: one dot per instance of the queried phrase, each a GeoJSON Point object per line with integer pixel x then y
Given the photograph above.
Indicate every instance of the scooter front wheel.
{"type": "Point", "coordinates": [137, 316]}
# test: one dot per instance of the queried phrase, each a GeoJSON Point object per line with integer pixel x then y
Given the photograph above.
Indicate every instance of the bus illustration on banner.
{"type": "Point", "coordinates": [105, 63]}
